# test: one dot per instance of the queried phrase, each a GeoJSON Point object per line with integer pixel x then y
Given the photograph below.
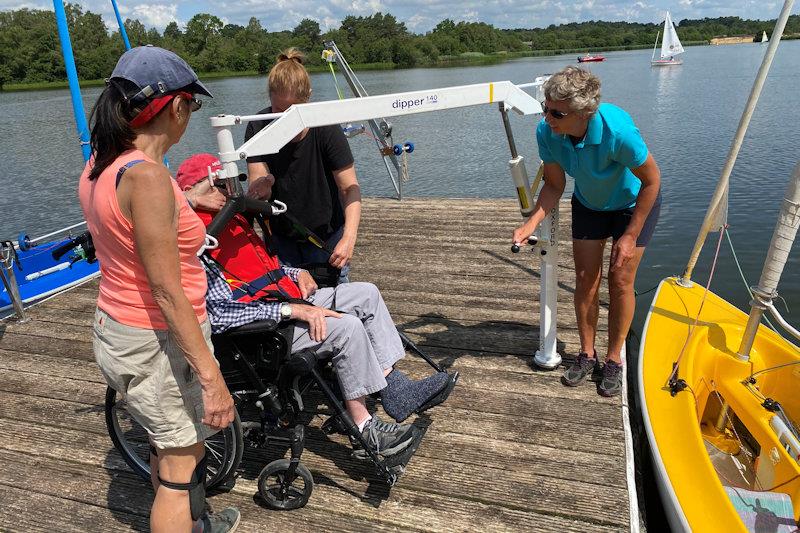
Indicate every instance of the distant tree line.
{"type": "Point", "coordinates": [30, 51]}
{"type": "Point", "coordinates": [599, 34]}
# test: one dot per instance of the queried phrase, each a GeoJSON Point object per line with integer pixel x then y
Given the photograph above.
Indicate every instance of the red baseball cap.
{"type": "Point", "coordinates": [195, 169]}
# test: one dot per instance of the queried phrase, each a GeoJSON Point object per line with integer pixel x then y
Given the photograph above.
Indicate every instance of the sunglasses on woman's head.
{"type": "Point", "coordinates": [555, 113]}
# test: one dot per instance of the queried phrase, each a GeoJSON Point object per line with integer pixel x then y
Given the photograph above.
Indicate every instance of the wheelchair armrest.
{"type": "Point", "coordinates": [259, 326]}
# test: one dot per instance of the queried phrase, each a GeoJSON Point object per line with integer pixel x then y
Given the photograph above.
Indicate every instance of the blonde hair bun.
{"type": "Point", "coordinates": [292, 54]}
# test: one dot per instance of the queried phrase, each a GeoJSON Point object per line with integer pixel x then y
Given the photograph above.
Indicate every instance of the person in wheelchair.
{"type": "Point", "coordinates": [349, 322]}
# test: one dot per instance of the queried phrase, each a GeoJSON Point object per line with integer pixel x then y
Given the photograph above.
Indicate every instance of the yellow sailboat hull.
{"type": "Point", "coordinates": [681, 427]}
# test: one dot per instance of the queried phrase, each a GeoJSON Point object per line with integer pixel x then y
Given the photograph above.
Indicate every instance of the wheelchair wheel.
{"type": "Point", "coordinates": [285, 498]}
{"type": "Point", "coordinates": [224, 449]}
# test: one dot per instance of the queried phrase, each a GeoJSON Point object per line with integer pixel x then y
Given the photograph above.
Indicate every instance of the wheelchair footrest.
{"type": "Point", "coordinates": [392, 467]}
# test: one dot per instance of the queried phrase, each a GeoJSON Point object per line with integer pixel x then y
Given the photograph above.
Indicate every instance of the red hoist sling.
{"type": "Point", "coordinates": [251, 271]}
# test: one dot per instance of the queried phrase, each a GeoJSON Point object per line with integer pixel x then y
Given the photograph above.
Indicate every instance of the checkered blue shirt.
{"type": "Point", "coordinates": [225, 313]}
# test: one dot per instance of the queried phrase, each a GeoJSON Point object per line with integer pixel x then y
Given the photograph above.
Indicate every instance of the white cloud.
{"type": "Point", "coordinates": [155, 15]}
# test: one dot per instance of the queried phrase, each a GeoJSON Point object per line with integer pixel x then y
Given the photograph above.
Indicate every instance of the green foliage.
{"type": "Point", "coordinates": [30, 52]}
{"type": "Point", "coordinates": [598, 34]}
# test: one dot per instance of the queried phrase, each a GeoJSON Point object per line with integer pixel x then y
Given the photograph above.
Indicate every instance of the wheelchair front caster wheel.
{"type": "Point", "coordinates": [281, 493]}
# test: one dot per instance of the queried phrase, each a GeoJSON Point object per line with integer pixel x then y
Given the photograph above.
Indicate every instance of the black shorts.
{"type": "Point", "coordinates": [588, 224]}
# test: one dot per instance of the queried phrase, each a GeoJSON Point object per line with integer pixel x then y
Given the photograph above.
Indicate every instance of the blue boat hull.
{"type": "Point", "coordinates": [41, 276]}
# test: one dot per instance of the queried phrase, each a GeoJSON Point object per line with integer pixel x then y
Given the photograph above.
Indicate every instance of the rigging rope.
{"type": "Point", "coordinates": [676, 365]}
{"type": "Point", "coordinates": [741, 273]}
{"type": "Point", "coordinates": [336, 82]}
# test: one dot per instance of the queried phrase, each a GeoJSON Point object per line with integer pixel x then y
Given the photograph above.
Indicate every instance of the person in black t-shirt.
{"type": "Point", "coordinates": [313, 175]}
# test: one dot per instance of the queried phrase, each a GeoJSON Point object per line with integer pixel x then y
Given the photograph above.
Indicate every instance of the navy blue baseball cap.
{"type": "Point", "coordinates": [156, 71]}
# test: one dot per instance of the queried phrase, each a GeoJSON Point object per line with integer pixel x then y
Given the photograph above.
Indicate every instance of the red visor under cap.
{"type": "Point", "coordinates": [155, 106]}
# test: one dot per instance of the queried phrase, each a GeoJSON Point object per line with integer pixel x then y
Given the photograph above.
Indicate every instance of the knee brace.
{"type": "Point", "coordinates": [196, 488]}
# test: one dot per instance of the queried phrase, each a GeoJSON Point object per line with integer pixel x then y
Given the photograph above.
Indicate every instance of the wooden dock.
{"type": "Point", "coordinates": [511, 450]}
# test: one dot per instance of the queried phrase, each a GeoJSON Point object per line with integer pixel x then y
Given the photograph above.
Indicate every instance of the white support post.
{"type": "Point", "coordinates": [228, 156]}
{"type": "Point", "coordinates": [547, 356]}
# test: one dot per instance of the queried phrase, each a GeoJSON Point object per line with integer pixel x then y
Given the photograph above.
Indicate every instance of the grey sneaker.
{"type": "Point", "coordinates": [225, 521]}
{"type": "Point", "coordinates": [384, 438]}
{"type": "Point", "coordinates": [580, 370]}
{"type": "Point", "coordinates": [611, 384]}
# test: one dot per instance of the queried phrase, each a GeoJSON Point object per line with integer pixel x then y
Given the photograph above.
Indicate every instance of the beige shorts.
{"type": "Point", "coordinates": [151, 372]}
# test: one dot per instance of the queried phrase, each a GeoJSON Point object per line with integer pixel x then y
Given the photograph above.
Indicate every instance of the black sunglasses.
{"type": "Point", "coordinates": [195, 104]}
{"type": "Point", "coordinates": [555, 113]}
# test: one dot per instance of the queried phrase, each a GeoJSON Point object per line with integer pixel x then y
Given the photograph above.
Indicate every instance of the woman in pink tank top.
{"type": "Point", "coordinates": [151, 334]}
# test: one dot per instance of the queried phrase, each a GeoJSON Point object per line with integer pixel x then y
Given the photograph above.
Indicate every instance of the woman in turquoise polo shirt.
{"type": "Point", "coordinates": [617, 196]}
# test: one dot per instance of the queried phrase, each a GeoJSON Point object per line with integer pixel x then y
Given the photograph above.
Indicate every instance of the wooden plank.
{"type": "Point", "coordinates": [511, 450]}
{"type": "Point", "coordinates": [27, 510]}
{"type": "Point", "coordinates": [325, 457]}
{"type": "Point", "coordinates": [42, 344]}
{"type": "Point", "coordinates": [64, 403]}
{"type": "Point", "coordinates": [80, 488]}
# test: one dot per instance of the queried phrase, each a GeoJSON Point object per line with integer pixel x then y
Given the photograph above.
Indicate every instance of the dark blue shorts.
{"type": "Point", "coordinates": [588, 224]}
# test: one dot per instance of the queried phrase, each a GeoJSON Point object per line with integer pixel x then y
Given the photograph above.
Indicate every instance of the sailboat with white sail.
{"type": "Point", "coordinates": [670, 46]}
{"type": "Point", "coordinates": [764, 39]}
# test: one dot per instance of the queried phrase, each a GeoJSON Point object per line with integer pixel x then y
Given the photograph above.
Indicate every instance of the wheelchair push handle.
{"type": "Point", "coordinates": [243, 204]}
{"type": "Point", "coordinates": [83, 240]}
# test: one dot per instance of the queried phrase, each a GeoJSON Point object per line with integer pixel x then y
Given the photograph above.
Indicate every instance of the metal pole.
{"type": "Point", "coordinates": [10, 281]}
{"type": "Point", "coordinates": [722, 184]}
{"type": "Point", "coordinates": [380, 131]}
{"type": "Point", "coordinates": [72, 76]}
{"type": "Point", "coordinates": [722, 419]}
{"type": "Point", "coordinates": [654, 47]}
{"type": "Point", "coordinates": [509, 133]}
{"type": "Point", "coordinates": [517, 168]}
{"type": "Point", "coordinates": [779, 247]}
{"type": "Point", "coordinates": [122, 31]}
{"type": "Point", "coordinates": [546, 356]}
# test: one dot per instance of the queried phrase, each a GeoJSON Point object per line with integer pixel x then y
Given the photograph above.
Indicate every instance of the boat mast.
{"type": "Point", "coordinates": [654, 46]}
{"type": "Point", "coordinates": [721, 192]}
{"type": "Point", "coordinates": [779, 248]}
{"type": "Point", "coordinates": [72, 77]}
{"type": "Point", "coordinates": [122, 32]}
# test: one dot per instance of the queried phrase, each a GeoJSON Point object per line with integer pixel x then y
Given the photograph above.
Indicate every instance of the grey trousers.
{"type": "Point", "coordinates": [362, 343]}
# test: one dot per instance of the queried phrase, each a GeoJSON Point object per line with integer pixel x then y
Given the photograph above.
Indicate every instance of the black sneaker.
{"type": "Point", "coordinates": [597, 371]}
{"type": "Point", "coordinates": [580, 370]}
{"type": "Point", "coordinates": [225, 521]}
{"type": "Point", "coordinates": [384, 438]}
{"type": "Point", "coordinates": [611, 384]}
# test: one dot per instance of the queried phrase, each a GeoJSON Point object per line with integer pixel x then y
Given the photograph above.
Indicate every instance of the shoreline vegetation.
{"type": "Point", "coordinates": [30, 52]}
{"type": "Point", "coordinates": [465, 60]}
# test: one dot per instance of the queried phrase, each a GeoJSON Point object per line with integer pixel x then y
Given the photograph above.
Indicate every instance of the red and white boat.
{"type": "Point", "coordinates": [588, 58]}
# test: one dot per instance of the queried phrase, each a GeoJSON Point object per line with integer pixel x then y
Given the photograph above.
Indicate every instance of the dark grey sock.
{"type": "Point", "coordinates": [402, 395]}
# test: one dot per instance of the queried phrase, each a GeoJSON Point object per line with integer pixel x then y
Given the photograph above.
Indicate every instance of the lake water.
{"type": "Point", "coordinates": [687, 114]}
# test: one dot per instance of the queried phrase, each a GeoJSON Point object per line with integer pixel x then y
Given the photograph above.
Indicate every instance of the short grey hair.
{"type": "Point", "coordinates": [575, 85]}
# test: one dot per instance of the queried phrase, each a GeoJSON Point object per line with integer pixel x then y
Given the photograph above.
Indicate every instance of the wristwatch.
{"type": "Point", "coordinates": [286, 311]}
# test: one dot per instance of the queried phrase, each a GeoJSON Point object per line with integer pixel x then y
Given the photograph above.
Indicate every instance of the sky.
{"type": "Point", "coordinates": [419, 16]}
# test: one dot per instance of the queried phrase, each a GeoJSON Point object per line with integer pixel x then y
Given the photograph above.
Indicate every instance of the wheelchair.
{"type": "Point", "coordinates": [268, 384]}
